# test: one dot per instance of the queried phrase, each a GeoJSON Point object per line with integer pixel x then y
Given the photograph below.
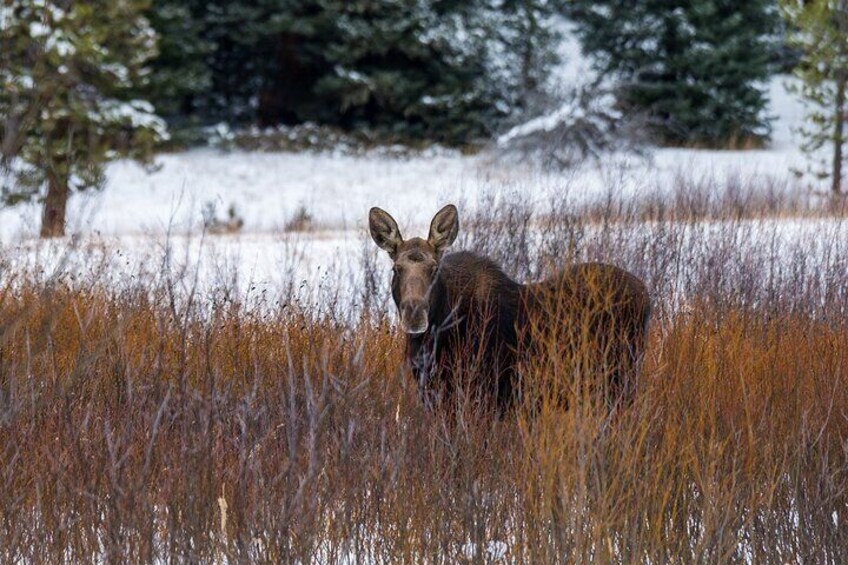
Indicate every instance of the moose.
{"type": "Point", "coordinates": [470, 325]}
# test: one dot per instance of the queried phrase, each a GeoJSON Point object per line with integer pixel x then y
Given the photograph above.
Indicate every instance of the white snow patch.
{"type": "Point", "coordinates": [38, 29]}
{"type": "Point", "coordinates": [337, 189]}
{"type": "Point", "coordinates": [493, 551]}
{"type": "Point", "coordinates": [574, 68]}
{"type": "Point", "coordinates": [569, 113]}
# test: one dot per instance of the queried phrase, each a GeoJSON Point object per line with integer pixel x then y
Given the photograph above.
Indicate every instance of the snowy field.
{"type": "Point", "coordinates": [270, 189]}
{"type": "Point", "coordinates": [140, 212]}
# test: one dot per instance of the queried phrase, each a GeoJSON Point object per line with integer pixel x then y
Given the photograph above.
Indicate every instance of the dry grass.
{"type": "Point", "coordinates": [142, 423]}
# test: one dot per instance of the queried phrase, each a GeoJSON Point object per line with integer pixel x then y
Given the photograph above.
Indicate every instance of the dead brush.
{"type": "Point", "coordinates": [127, 412]}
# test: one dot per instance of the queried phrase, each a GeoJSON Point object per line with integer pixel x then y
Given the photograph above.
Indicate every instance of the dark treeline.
{"type": "Point", "coordinates": [456, 71]}
{"type": "Point", "coordinates": [448, 71]}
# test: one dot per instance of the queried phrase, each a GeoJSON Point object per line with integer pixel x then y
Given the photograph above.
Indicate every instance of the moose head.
{"type": "Point", "coordinates": [415, 262]}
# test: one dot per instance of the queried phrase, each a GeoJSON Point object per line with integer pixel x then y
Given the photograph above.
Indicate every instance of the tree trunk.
{"type": "Point", "coordinates": [528, 80]}
{"type": "Point", "coordinates": [839, 134]}
{"type": "Point", "coordinates": [53, 214]}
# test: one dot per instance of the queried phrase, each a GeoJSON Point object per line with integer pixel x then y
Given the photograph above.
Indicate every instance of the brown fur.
{"type": "Point", "coordinates": [472, 327]}
{"type": "Point", "coordinates": [483, 326]}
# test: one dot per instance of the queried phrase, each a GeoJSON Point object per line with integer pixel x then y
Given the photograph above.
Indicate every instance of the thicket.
{"type": "Point", "coordinates": [151, 420]}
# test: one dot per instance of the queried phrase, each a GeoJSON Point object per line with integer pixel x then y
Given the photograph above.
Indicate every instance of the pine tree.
{"type": "Point", "coordinates": [249, 61]}
{"type": "Point", "coordinates": [446, 70]}
{"type": "Point", "coordinates": [414, 68]}
{"type": "Point", "coordinates": [822, 36]}
{"type": "Point", "coordinates": [241, 32]}
{"type": "Point", "coordinates": [180, 78]}
{"type": "Point", "coordinates": [66, 70]}
{"type": "Point", "coordinates": [694, 68]}
{"type": "Point", "coordinates": [526, 43]}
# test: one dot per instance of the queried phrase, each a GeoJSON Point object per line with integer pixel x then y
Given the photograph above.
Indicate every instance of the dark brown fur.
{"type": "Point", "coordinates": [470, 327]}
{"type": "Point", "coordinates": [482, 325]}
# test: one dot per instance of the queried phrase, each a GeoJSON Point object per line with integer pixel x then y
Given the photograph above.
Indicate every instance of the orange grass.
{"type": "Point", "coordinates": [139, 422]}
{"type": "Point", "coordinates": [124, 423]}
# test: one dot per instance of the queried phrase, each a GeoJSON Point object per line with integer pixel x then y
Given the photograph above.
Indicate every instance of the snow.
{"type": "Point", "coordinates": [574, 67]}
{"type": "Point", "coordinates": [25, 81]}
{"type": "Point", "coordinates": [336, 190]}
{"type": "Point", "coordinates": [569, 113]}
{"type": "Point", "coordinates": [120, 72]}
{"type": "Point", "coordinates": [143, 210]}
{"type": "Point", "coordinates": [351, 75]}
{"type": "Point", "coordinates": [38, 29]}
{"type": "Point", "coordinates": [493, 552]}
{"type": "Point", "coordinates": [63, 47]}
{"type": "Point", "coordinates": [136, 113]}
{"type": "Point", "coordinates": [140, 212]}
{"type": "Point", "coordinates": [269, 189]}
{"type": "Point", "coordinates": [6, 15]}
{"type": "Point", "coordinates": [789, 112]}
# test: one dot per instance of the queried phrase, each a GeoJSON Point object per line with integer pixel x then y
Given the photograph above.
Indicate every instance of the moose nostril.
{"type": "Point", "coordinates": [406, 311]}
{"type": "Point", "coordinates": [414, 316]}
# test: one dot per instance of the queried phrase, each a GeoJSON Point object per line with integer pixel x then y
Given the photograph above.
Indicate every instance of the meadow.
{"type": "Point", "coordinates": [158, 417]}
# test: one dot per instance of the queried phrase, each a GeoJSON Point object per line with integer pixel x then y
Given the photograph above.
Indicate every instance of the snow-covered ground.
{"type": "Point", "coordinates": [139, 212]}
{"type": "Point", "coordinates": [270, 189]}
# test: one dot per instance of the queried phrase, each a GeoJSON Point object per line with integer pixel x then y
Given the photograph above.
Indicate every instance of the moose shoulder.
{"type": "Point", "coordinates": [470, 325]}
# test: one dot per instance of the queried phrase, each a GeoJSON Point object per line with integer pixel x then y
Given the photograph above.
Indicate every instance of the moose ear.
{"type": "Point", "coordinates": [444, 228]}
{"type": "Point", "coordinates": [384, 230]}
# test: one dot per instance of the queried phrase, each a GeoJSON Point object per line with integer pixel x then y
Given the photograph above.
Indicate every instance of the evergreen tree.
{"type": "Point", "coordinates": [694, 68]}
{"type": "Point", "coordinates": [180, 78]}
{"type": "Point", "coordinates": [414, 68]}
{"type": "Point", "coordinates": [242, 35]}
{"type": "Point", "coordinates": [258, 58]}
{"type": "Point", "coordinates": [526, 43]}
{"type": "Point", "coordinates": [66, 71]}
{"type": "Point", "coordinates": [822, 36]}
{"type": "Point", "coordinates": [446, 70]}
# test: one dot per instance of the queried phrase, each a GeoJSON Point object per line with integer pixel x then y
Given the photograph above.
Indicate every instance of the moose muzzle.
{"type": "Point", "coordinates": [413, 316]}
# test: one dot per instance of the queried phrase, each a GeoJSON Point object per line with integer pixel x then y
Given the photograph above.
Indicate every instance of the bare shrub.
{"type": "Point", "coordinates": [214, 225]}
{"type": "Point", "coordinates": [131, 415]}
{"type": "Point", "coordinates": [300, 220]}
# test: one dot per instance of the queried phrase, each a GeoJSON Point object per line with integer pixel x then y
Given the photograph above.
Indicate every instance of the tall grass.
{"type": "Point", "coordinates": [143, 422]}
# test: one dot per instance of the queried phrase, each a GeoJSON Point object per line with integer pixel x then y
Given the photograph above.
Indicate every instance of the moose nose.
{"type": "Point", "coordinates": [413, 317]}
